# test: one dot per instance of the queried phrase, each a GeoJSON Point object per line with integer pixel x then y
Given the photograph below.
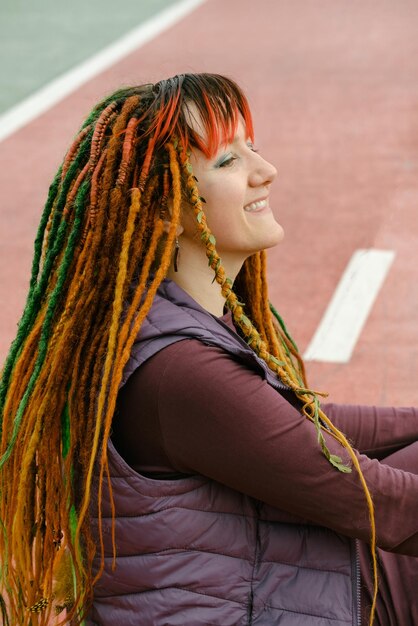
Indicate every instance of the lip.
{"type": "Point", "coordinates": [263, 209]}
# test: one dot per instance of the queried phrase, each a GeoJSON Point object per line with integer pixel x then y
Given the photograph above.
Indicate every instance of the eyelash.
{"type": "Point", "coordinates": [228, 162]}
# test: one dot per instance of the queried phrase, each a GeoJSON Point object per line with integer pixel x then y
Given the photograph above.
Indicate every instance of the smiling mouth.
{"type": "Point", "coordinates": [257, 207]}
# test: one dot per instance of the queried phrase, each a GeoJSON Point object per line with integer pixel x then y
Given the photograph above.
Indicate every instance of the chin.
{"type": "Point", "coordinates": [275, 236]}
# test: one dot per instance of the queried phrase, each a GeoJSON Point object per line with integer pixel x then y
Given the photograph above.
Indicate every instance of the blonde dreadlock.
{"type": "Point", "coordinates": [100, 254]}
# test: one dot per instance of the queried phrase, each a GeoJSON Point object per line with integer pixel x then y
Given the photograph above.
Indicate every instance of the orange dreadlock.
{"type": "Point", "coordinates": [100, 254]}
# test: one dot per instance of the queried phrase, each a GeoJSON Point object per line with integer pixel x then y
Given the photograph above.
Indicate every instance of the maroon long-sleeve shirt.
{"type": "Point", "coordinates": [194, 408]}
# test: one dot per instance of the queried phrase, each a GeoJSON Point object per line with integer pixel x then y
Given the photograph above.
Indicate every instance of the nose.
{"type": "Point", "coordinates": [262, 173]}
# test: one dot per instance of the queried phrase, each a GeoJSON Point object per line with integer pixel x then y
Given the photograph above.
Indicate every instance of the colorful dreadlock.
{"type": "Point", "coordinates": [100, 254]}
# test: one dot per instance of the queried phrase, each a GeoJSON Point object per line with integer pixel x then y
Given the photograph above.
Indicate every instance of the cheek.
{"type": "Point", "coordinates": [223, 223]}
{"type": "Point", "coordinates": [224, 206]}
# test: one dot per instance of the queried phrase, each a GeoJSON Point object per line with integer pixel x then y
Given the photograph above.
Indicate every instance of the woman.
{"type": "Point", "coordinates": [163, 460]}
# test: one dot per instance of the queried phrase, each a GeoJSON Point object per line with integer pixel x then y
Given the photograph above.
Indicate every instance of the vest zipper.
{"type": "Point", "coordinates": [357, 582]}
{"type": "Point", "coordinates": [257, 505]}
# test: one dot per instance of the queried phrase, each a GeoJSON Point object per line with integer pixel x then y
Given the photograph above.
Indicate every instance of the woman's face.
{"type": "Point", "coordinates": [236, 185]}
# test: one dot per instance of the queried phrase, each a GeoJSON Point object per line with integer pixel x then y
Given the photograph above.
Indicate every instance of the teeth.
{"type": "Point", "coordinates": [256, 206]}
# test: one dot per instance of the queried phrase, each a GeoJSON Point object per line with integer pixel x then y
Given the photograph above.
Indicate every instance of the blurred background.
{"type": "Point", "coordinates": [333, 86]}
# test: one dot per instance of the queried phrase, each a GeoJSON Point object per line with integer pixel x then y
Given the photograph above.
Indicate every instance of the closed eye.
{"type": "Point", "coordinates": [227, 161]}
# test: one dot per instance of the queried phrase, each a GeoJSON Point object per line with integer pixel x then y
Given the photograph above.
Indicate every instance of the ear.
{"type": "Point", "coordinates": [167, 225]}
{"type": "Point", "coordinates": [167, 222]}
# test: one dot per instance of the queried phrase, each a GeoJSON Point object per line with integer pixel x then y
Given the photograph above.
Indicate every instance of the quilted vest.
{"type": "Point", "coordinates": [192, 552]}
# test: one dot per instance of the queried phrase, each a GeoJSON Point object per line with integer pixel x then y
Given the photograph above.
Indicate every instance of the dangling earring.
{"type": "Point", "coordinates": [176, 255]}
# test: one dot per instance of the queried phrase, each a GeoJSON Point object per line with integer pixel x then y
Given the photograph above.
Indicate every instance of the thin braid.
{"type": "Point", "coordinates": [127, 150]}
{"type": "Point", "coordinates": [21, 375]}
{"type": "Point", "coordinates": [61, 214]}
{"type": "Point", "coordinates": [97, 171]}
{"type": "Point", "coordinates": [73, 150]}
{"type": "Point", "coordinates": [74, 190]}
{"type": "Point", "coordinates": [107, 115]}
{"type": "Point", "coordinates": [75, 288]}
{"type": "Point", "coordinates": [280, 339]}
{"type": "Point", "coordinates": [147, 162]}
{"type": "Point", "coordinates": [271, 336]}
{"type": "Point", "coordinates": [52, 197]}
{"type": "Point", "coordinates": [341, 437]}
{"type": "Point", "coordinates": [146, 215]}
{"type": "Point", "coordinates": [92, 213]}
{"type": "Point", "coordinates": [252, 270]}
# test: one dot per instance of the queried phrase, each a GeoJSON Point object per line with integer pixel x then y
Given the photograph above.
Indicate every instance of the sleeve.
{"type": "Point", "coordinates": [222, 420]}
{"type": "Point", "coordinates": [375, 431]}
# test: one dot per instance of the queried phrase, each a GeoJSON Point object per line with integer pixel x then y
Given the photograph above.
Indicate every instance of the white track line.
{"type": "Point", "coordinates": [42, 100]}
{"type": "Point", "coordinates": [347, 312]}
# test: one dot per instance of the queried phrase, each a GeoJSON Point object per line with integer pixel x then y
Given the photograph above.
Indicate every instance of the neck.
{"type": "Point", "coordinates": [195, 277]}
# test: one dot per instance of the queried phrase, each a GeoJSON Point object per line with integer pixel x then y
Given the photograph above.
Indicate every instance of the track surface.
{"type": "Point", "coordinates": [334, 92]}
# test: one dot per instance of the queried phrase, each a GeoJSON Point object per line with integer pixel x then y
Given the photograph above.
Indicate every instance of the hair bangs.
{"type": "Point", "coordinates": [201, 110]}
{"type": "Point", "coordinates": [218, 103]}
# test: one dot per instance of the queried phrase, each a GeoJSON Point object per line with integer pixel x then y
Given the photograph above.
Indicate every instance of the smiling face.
{"type": "Point", "coordinates": [236, 185]}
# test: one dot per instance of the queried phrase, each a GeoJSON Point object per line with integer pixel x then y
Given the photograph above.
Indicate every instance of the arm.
{"type": "Point", "coordinates": [375, 431]}
{"type": "Point", "coordinates": [224, 421]}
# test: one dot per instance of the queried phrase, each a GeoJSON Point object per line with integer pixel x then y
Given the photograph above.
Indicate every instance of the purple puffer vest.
{"type": "Point", "coordinates": [192, 552]}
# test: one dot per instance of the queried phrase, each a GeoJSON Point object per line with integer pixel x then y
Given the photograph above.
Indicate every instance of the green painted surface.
{"type": "Point", "coordinates": [41, 39]}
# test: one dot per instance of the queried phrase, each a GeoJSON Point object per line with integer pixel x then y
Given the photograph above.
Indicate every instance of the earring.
{"type": "Point", "coordinates": [176, 255]}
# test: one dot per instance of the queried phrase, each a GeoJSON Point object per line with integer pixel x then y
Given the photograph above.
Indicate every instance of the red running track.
{"type": "Point", "coordinates": [334, 91]}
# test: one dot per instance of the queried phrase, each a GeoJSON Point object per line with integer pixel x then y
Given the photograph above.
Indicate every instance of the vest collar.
{"type": "Point", "coordinates": [175, 315]}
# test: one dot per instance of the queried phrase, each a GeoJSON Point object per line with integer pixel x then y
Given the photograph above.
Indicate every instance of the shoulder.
{"type": "Point", "coordinates": [190, 369]}
{"type": "Point", "coordinates": [191, 358]}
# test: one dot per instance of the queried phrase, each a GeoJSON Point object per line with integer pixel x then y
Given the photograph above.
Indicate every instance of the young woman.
{"type": "Point", "coordinates": [163, 461]}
